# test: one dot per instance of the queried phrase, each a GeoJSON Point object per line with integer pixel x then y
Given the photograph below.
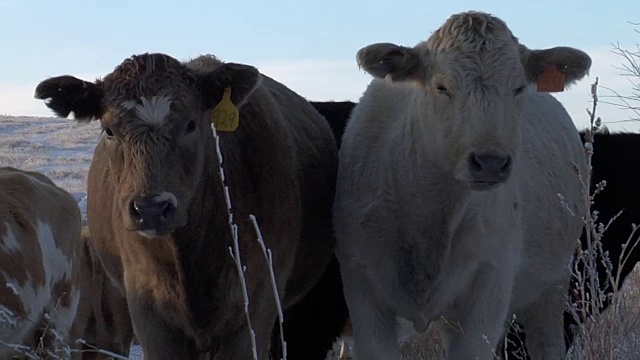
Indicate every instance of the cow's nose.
{"type": "Point", "coordinates": [152, 212]}
{"type": "Point", "coordinates": [489, 168]}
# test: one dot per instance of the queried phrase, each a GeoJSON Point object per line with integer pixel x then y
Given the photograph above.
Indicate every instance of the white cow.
{"type": "Point", "coordinates": [447, 209]}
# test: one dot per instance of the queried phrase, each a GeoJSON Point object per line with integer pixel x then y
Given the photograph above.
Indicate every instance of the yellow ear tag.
{"type": "Point", "coordinates": [225, 116]}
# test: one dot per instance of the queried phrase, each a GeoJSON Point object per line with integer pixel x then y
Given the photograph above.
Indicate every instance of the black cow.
{"type": "Point", "coordinates": [314, 323]}
{"type": "Point", "coordinates": [614, 158]}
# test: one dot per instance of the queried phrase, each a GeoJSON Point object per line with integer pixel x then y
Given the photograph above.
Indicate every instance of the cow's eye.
{"type": "Point", "coordinates": [441, 89]}
{"type": "Point", "coordinates": [191, 127]}
{"type": "Point", "coordinates": [108, 132]}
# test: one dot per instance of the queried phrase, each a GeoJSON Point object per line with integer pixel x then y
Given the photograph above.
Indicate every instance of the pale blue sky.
{"type": "Point", "coordinates": [308, 45]}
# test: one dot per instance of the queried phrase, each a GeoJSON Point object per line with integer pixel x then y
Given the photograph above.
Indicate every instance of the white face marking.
{"type": "Point", "coordinates": [153, 111]}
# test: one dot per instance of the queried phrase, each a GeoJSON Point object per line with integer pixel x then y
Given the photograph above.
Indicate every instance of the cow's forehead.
{"type": "Point", "coordinates": [152, 110]}
{"type": "Point", "coordinates": [147, 76]}
{"type": "Point", "coordinates": [471, 31]}
{"type": "Point", "coordinates": [477, 49]}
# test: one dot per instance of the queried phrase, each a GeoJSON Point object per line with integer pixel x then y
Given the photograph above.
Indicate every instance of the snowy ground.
{"type": "Point", "coordinates": [58, 148]}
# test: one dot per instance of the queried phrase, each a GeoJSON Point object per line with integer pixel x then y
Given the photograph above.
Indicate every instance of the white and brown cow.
{"type": "Point", "coordinates": [157, 210]}
{"type": "Point", "coordinates": [447, 205]}
{"type": "Point", "coordinates": [40, 253]}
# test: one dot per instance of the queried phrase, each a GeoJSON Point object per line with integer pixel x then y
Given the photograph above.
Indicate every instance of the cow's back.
{"type": "Point", "coordinates": [40, 232]}
{"type": "Point", "coordinates": [316, 165]}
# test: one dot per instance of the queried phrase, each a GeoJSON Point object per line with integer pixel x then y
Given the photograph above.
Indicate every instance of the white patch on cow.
{"type": "Point", "coordinates": [36, 301]}
{"type": "Point", "coordinates": [129, 104]}
{"type": "Point", "coordinates": [405, 330]}
{"type": "Point", "coordinates": [152, 233]}
{"type": "Point", "coordinates": [167, 196]}
{"type": "Point", "coordinates": [153, 111]}
{"type": "Point", "coordinates": [9, 241]}
{"type": "Point", "coordinates": [8, 319]}
{"type": "Point", "coordinates": [12, 287]}
{"type": "Point", "coordinates": [58, 267]}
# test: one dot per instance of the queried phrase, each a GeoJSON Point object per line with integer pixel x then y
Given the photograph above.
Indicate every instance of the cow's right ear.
{"type": "Point", "coordinates": [66, 94]}
{"type": "Point", "coordinates": [242, 79]}
{"type": "Point", "coordinates": [390, 61]}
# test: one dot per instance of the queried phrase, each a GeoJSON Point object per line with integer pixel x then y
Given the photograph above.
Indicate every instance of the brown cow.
{"type": "Point", "coordinates": [39, 264]}
{"type": "Point", "coordinates": [157, 210]}
{"type": "Point", "coordinates": [102, 320]}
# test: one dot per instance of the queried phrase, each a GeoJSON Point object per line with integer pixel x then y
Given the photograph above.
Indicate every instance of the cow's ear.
{"type": "Point", "coordinates": [390, 61]}
{"type": "Point", "coordinates": [574, 64]}
{"type": "Point", "coordinates": [242, 79]}
{"type": "Point", "coordinates": [66, 94]}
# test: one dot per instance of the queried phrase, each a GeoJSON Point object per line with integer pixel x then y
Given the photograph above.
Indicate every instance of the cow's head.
{"type": "Point", "coordinates": [155, 115]}
{"type": "Point", "coordinates": [472, 78]}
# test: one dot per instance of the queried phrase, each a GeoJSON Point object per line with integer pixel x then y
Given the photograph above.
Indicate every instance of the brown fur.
{"type": "Point", "coordinates": [182, 288]}
{"type": "Point", "coordinates": [102, 320]}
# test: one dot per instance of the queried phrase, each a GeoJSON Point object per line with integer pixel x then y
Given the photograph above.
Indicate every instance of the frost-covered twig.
{"type": "Point", "coordinates": [234, 250]}
{"type": "Point", "coordinates": [21, 349]}
{"type": "Point", "coordinates": [100, 351]}
{"type": "Point", "coordinates": [269, 258]}
{"type": "Point", "coordinates": [55, 347]}
{"type": "Point", "coordinates": [598, 332]}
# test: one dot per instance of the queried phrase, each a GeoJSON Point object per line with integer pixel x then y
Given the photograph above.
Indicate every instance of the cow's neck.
{"type": "Point", "coordinates": [206, 236]}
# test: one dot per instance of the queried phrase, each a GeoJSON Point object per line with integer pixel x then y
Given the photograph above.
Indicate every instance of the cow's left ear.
{"type": "Point", "coordinates": [397, 63]}
{"type": "Point", "coordinates": [66, 94]}
{"type": "Point", "coordinates": [243, 80]}
{"type": "Point", "coordinates": [573, 63]}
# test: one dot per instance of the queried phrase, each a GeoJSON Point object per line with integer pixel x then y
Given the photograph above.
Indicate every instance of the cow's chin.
{"type": "Point", "coordinates": [154, 233]}
{"type": "Point", "coordinates": [483, 185]}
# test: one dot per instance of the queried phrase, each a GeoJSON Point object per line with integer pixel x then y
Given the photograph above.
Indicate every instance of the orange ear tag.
{"type": "Point", "coordinates": [551, 80]}
{"type": "Point", "coordinates": [225, 116]}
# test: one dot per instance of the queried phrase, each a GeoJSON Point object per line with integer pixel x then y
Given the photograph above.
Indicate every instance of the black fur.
{"type": "Point", "coordinates": [615, 159]}
{"type": "Point", "coordinates": [68, 94]}
{"type": "Point", "coordinates": [337, 113]}
{"type": "Point", "coordinates": [313, 324]}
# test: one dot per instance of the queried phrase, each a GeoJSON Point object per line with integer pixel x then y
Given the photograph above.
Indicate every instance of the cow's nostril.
{"type": "Point", "coordinates": [475, 164]}
{"type": "Point", "coordinates": [152, 212]}
{"type": "Point", "coordinates": [134, 213]}
{"type": "Point", "coordinates": [507, 165]}
{"type": "Point", "coordinates": [168, 212]}
{"type": "Point", "coordinates": [489, 168]}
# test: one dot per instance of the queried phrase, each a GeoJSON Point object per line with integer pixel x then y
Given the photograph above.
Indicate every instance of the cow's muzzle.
{"type": "Point", "coordinates": [153, 215]}
{"type": "Point", "coordinates": [488, 169]}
